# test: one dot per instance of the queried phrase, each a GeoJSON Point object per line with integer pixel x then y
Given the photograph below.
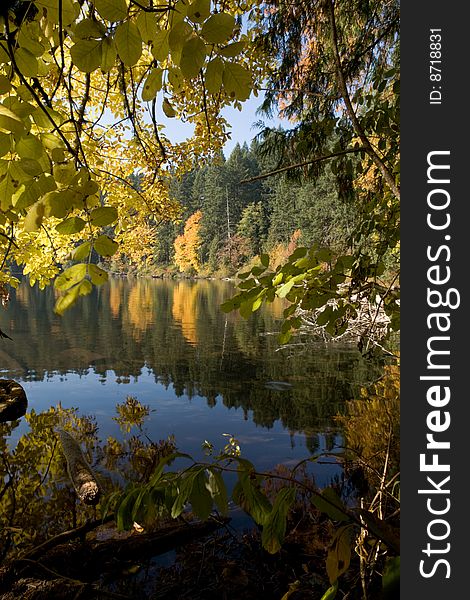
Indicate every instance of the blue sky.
{"type": "Point", "coordinates": [242, 129]}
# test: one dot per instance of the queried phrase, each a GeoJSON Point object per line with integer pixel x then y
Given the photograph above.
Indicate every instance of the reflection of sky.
{"type": "Point", "coordinates": [190, 421]}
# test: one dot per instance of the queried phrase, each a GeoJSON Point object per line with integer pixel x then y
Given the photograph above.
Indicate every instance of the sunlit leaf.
{"type": "Point", "coordinates": [105, 246]}
{"type": "Point", "coordinates": [70, 226]}
{"type": "Point", "coordinates": [168, 109]}
{"type": "Point", "coordinates": [213, 78]}
{"type": "Point", "coordinates": [232, 50]}
{"type": "Point", "coordinates": [161, 45]}
{"type": "Point", "coordinates": [70, 277]}
{"type": "Point", "coordinates": [97, 275]}
{"type": "Point", "coordinates": [111, 10]}
{"type": "Point", "coordinates": [26, 62]}
{"type": "Point", "coordinates": [199, 10]}
{"type": "Point", "coordinates": [82, 251]}
{"type": "Point", "coordinates": [27, 147]}
{"type": "Point", "coordinates": [104, 215]}
{"type": "Point", "coordinates": [33, 219]}
{"type": "Point", "coordinates": [237, 81]}
{"type": "Point", "coordinates": [218, 28]}
{"type": "Point", "coordinates": [193, 56]}
{"type": "Point", "coordinates": [86, 55]}
{"type": "Point", "coordinates": [108, 54]}
{"type": "Point", "coordinates": [9, 121]}
{"type": "Point", "coordinates": [152, 85]}
{"type": "Point", "coordinates": [89, 28]}
{"type": "Point", "coordinates": [128, 43]}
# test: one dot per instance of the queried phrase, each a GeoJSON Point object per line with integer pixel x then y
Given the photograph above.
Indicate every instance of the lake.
{"type": "Point", "coordinates": [201, 372]}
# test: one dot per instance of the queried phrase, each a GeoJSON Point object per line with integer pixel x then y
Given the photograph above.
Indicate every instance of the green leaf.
{"type": "Point", "coordinates": [105, 246]}
{"type": "Point", "coordinates": [124, 520]}
{"type": "Point", "coordinates": [26, 62]}
{"type": "Point", "coordinates": [147, 25]}
{"type": "Point", "coordinates": [152, 85]}
{"type": "Point", "coordinates": [9, 121]}
{"type": "Point", "coordinates": [111, 10]}
{"type": "Point", "coordinates": [218, 490]}
{"type": "Point", "coordinates": [161, 45]}
{"type": "Point", "coordinates": [285, 289]}
{"type": "Point", "coordinates": [248, 495]}
{"type": "Point", "coordinates": [6, 144]}
{"type": "Point", "coordinates": [28, 147]}
{"type": "Point", "coordinates": [70, 226]}
{"type": "Point", "coordinates": [227, 306]}
{"type": "Point", "coordinates": [169, 111]}
{"type": "Point", "coordinates": [218, 28]}
{"type": "Point", "coordinates": [274, 528]}
{"type": "Point", "coordinates": [70, 10]}
{"type": "Point", "coordinates": [237, 81]}
{"type": "Point", "coordinates": [67, 300]}
{"type": "Point", "coordinates": [128, 43]}
{"type": "Point", "coordinates": [339, 553]}
{"type": "Point", "coordinates": [331, 592]}
{"type": "Point", "coordinates": [70, 277]}
{"type": "Point", "coordinates": [391, 578]}
{"type": "Point", "coordinates": [264, 259]}
{"type": "Point", "coordinates": [193, 56]}
{"type": "Point", "coordinates": [97, 275]}
{"type": "Point", "coordinates": [330, 504]}
{"type": "Point", "coordinates": [5, 84]}
{"type": "Point", "coordinates": [33, 219]}
{"type": "Point", "coordinates": [104, 215]}
{"type": "Point", "coordinates": [200, 498]}
{"type": "Point", "coordinates": [30, 166]}
{"type": "Point", "coordinates": [214, 73]}
{"type": "Point", "coordinates": [325, 316]}
{"type": "Point", "coordinates": [185, 484]}
{"type": "Point", "coordinates": [199, 10]}
{"type": "Point", "coordinates": [82, 251]}
{"type": "Point", "coordinates": [58, 203]}
{"type": "Point", "coordinates": [108, 54]}
{"type": "Point", "coordinates": [86, 55]}
{"type": "Point", "coordinates": [232, 50]}
{"type": "Point", "coordinates": [89, 28]}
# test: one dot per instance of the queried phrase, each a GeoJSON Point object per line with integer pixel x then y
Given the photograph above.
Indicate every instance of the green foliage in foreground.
{"type": "Point", "coordinates": [311, 279]}
{"type": "Point", "coordinates": [202, 488]}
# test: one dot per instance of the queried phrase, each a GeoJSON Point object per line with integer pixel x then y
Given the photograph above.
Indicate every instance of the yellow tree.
{"type": "Point", "coordinates": [84, 85]}
{"type": "Point", "coordinates": [187, 245]}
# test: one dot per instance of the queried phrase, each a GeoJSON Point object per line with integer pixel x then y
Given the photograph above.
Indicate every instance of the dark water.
{"type": "Point", "coordinates": [201, 372]}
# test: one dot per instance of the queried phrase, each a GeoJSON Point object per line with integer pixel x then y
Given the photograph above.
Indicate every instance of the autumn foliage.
{"type": "Point", "coordinates": [187, 245]}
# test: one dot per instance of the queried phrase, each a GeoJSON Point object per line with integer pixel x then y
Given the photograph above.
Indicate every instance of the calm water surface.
{"type": "Point", "coordinates": [201, 372]}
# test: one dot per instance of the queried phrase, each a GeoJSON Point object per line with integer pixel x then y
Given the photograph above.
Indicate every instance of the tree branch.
{"type": "Point", "coordinates": [304, 164]}
{"type": "Point", "coordinates": [387, 175]}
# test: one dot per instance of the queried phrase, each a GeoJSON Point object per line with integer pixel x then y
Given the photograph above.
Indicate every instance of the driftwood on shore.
{"type": "Point", "coordinates": [80, 473]}
{"type": "Point", "coordinates": [13, 401]}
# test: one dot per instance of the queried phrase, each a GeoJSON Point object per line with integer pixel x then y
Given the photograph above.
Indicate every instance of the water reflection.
{"type": "Point", "coordinates": [203, 373]}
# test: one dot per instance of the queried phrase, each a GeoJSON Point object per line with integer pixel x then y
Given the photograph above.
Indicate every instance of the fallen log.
{"type": "Point", "coordinates": [80, 473]}
{"type": "Point", "coordinates": [89, 561]}
{"type": "Point", "coordinates": [13, 401]}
